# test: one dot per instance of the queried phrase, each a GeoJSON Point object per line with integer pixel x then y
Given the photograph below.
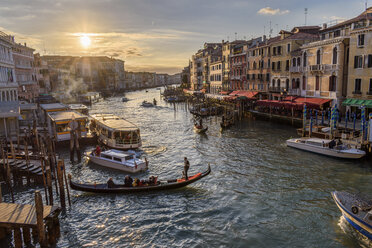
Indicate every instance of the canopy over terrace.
{"type": "Point", "coordinates": [296, 103]}
{"type": "Point", "coordinates": [242, 94]}
{"type": "Point", "coordinates": [357, 103]}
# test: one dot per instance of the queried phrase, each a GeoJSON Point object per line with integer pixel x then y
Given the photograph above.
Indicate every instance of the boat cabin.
{"type": "Point", "coordinates": [118, 156]}
{"type": "Point", "coordinates": [116, 132]}
{"type": "Point", "coordinates": [59, 124]}
{"type": "Point", "coordinates": [51, 107]}
{"type": "Point", "coordinates": [81, 108]}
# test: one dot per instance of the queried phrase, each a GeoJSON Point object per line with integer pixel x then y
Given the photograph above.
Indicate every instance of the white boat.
{"type": "Point", "coordinates": [120, 160]}
{"type": "Point", "coordinates": [147, 104]}
{"type": "Point", "coordinates": [322, 146]}
{"type": "Point", "coordinates": [116, 132]}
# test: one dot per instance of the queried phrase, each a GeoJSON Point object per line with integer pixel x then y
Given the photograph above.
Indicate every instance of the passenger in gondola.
{"type": "Point", "coordinates": [136, 182]}
{"type": "Point", "coordinates": [151, 180]}
{"type": "Point", "coordinates": [339, 142]}
{"type": "Point", "coordinates": [97, 151]}
{"type": "Point", "coordinates": [128, 181]}
{"type": "Point", "coordinates": [332, 144]}
{"type": "Point", "coordinates": [110, 183]}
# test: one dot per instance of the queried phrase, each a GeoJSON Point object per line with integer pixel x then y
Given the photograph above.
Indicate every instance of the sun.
{"type": "Point", "coordinates": [85, 41]}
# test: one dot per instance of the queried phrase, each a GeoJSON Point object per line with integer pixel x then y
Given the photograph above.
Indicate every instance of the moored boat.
{"type": "Point", "coordinates": [326, 147]}
{"type": "Point", "coordinates": [116, 132]}
{"type": "Point", "coordinates": [356, 210]}
{"type": "Point", "coordinates": [199, 129]}
{"type": "Point", "coordinates": [120, 160]}
{"type": "Point", "coordinates": [124, 99]}
{"type": "Point", "coordinates": [159, 185]}
{"type": "Point", "coordinates": [147, 104]}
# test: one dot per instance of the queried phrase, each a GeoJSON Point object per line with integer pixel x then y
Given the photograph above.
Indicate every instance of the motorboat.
{"type": "Point", "coordinates": [120, 160]}
{"type": "Point", "coordinates": [124, 99]}
{"type": "Point", "coordinates": [147, 104]}
{"type": "Point", "coordinates": [156, 186]}
{"type": "Point", "coordinates": [357, 210]}
{"type": "Point", "coordinates": [326, 147]}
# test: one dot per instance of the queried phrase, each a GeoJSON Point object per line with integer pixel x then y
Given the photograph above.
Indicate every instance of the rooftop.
{"type": "Point", "coordinates": [114, 122]}
{"type": "Point", "coordinates": [66, 115]}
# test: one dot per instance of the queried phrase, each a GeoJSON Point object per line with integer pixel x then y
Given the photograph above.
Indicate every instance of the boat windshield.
{"type": "Point", "coordinates": [130, 157]}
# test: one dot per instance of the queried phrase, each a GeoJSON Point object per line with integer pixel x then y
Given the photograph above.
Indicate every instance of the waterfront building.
{"type": "Point", "coordinates": [199, 66]}
{"type": "Point", "coordinates": [325, 64]}
{"type": "Point", "coordinates": [9, 105]}
{"type": "Point", "coordinates": [216, 71]}
{"type": "Point", "coordinates": [185, 76]}
{"type": "Point", "coordinates": [23, 56]}
{"type": "Point", "coordinates": [284, 49]}
{"type": "Point", "coordinates": [359, 90]}
{"type": "Point", "coordinates": [41, 72]}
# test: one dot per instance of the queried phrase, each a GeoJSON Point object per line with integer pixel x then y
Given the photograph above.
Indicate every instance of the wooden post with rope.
{"type": "Point", "coordinates": [60, 183]}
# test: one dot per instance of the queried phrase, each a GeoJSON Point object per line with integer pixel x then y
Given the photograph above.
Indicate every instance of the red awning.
{"type": "Point", "coordinates": [203, 90]}
{"type": "Point", "coordinates": [276, 103]}
{"type": "Point", "coordinates": [290, 98]}
{"type": "Point", "coordinates": [224, 92]}
{"type": "Point", "coordinates": [312, 101]}
{"type": "Point", "coordinates": [248, 94]}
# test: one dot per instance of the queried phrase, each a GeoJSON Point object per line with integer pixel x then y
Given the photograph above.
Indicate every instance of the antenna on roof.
{"type": "Point", "coordinates": [306, 16]}
{"type": "Point", "coordinates": [366, 4]}
{"type": "Point", "coordinates": [236, 35]}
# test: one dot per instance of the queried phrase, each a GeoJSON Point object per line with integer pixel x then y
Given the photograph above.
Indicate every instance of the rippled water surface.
{"type": "Point", "coordinates": [260, 192]}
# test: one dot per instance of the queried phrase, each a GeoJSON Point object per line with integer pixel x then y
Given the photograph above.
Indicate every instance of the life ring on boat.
{"type": "Point", "coordinates": [354, 209]}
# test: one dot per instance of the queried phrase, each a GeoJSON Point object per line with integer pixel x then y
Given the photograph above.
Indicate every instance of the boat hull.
{"type": "Point", "coordinates": [170, 184]}
{"type": "Point", "coordinates": [116, 165]}
{"type": "Point", "coordinates": [361, 226]}
{"type": "Point", "coordinates": [324, 151]}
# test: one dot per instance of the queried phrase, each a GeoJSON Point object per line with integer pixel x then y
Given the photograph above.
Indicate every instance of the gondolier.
{"type": "Point", "coordinates": [186, 168]}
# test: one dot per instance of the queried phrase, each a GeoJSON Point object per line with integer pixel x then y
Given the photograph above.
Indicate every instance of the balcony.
{"type": "Point", "coordinates": [296, 69]}
{"type": "Point", "coordinates": [294, 92]}
{"type": "Point", "coordinates": [323, 68]}
{"type": "Point", "coordinates": [236, 77]}
{"type": "Point", "coordinates": [237, 64]}
{"type": "Point", "coordinates": [369, 93]}
{"type": "Point", "coordinates": [357, 92]}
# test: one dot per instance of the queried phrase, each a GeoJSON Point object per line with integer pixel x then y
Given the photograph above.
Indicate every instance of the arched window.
{"type": "Point", "coordinates": [287, 84]}
{"type": "Point", "coordinates": [335, 55]}
{"type": "Point", "coordinates": [273, 85]}
{"type": "Point", "coordinates": [332, 83]}
{"type": "Point", "coordinates": [305, 59]}
{"type": "Point", "coordinates": [298, 61]}
{"type": "Point", "coordinates": [303, 83]}
{"type": "Point", "coordinates": [318, 58]}
{"type": "Point", "coordinates": [294, 62]}
{"type": "Point", "coordinates": [278, 83]}
{"type": "Point", "coordinates": [293, 83]}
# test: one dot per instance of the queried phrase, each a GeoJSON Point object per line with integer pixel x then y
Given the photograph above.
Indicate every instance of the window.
{"type": "Point", "coordinates": [337, 33]}
{"type": "Point", "coordinates": [287, 65]}
{"type": "Point", "coordinates": [268, 77]}
{"type": "Point", "coordinates": [323, 36]}
{"type": "Point", "coordinates": [298, 61]}
{"type": "Point", "coordinates": [279, 50]}
{"type": "Point", "coordinates": [294, 62]}
{"type": "Point", "coordinates": [278, 65]}
{"type": "Point", "coordinates": [358, 61]}
{"type": "Point", "coordinates": [369, 60]}
{"type": "Point", "coordinates": [358, 86]}
{"type": "Point", "coordinates": [288, 48]}
{"type": "Point", "coordinates": [317, 83]}
{"type": "Point", "coordinates": [318, 57]}
{"type": "Point", "coordinates": [273, 66]}
{"type": "Point", "coordinates": [117, 159]}
{"type": "Point", "coordinates": [332, 83]}
{"type": "Point", "coordinates": [274, 51]}
{"type": "Point", "coordinates": [370, 85]}
{"type": "Point", "coordinates": [268, 64]}
{"type": "Point", "coordinates": [247, 76]}
{"type": "Point", "coordinates": [360, 40]}
{"type": "Point", "coordinates": [305, 59]}
{"type": "Point", "coordinates": [335, 55]}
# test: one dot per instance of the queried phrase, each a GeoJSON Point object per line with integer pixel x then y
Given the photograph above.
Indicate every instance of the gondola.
{"type": "Point", "coordinates": [200, 130]}
{"type": "Point", "coordinates": [160, 185]}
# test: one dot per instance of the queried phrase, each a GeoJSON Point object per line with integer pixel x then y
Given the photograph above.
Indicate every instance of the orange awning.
{"type": "Point", "coordinates": [203, 90]}
{"type": "Point", "coordinates": [248, 94]}
{"type": "Point", "coordinates": [312, 100]}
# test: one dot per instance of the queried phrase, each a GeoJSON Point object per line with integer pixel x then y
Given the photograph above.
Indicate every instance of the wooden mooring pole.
{"type": "Point", "coordinates": [60, 182]}
{"type": "Point", "coordinates": [40, 219]}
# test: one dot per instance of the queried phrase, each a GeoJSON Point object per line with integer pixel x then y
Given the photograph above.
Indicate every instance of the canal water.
{"type": "Point", "coordinates": [260, 193]}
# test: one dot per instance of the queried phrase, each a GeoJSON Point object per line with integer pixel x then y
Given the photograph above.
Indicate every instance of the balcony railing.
{"type": "Point", "coordinates": [236, 77]}
{"type": "Point", "coordinates": [295, 69]}
{"type": "Point", "coordinates": [276, 89]}
{"type": "Point", "coordinates": [323, 68]}
{"type": "Point", "coordinates": [357, 92]}
{"type": "Point", "coordinates": [294, 92]}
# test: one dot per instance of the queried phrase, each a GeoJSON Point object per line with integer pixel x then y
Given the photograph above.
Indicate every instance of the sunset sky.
{"type": "Point", "coordinates": [156, 35]}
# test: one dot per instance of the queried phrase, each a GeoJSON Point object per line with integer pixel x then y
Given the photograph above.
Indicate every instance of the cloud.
{"type": "Point", "coordinates": [271, 11]}
{"type": "Point", "coordinates": [335, 18]}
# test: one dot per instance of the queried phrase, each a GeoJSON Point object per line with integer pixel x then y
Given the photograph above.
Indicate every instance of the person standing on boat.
{"type": "Point", "coordinates": [186, 168]}
{"type": "Point", "coordinates": [98, 151]}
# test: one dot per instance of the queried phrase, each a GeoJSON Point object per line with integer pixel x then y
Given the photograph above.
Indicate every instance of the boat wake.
{"type": "Point", "coordinates": [350, 231]}
{"type": "Point", "coordinates": [154, 150]}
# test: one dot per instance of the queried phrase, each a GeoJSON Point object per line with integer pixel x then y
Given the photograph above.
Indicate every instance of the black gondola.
{"type": "Point", "coordinates": [200, 130]}
{"type": "Point", "coordinates": [161, 185]}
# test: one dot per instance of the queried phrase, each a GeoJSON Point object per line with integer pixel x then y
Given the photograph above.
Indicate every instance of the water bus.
{"type": "Point", "coordinates": [81, 108]}
{"type": "Point", "coordinates": [116, 132]}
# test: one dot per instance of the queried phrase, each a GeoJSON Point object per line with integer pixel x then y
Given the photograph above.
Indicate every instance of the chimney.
{"type": "Point", "coordinates": [324, 25]}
